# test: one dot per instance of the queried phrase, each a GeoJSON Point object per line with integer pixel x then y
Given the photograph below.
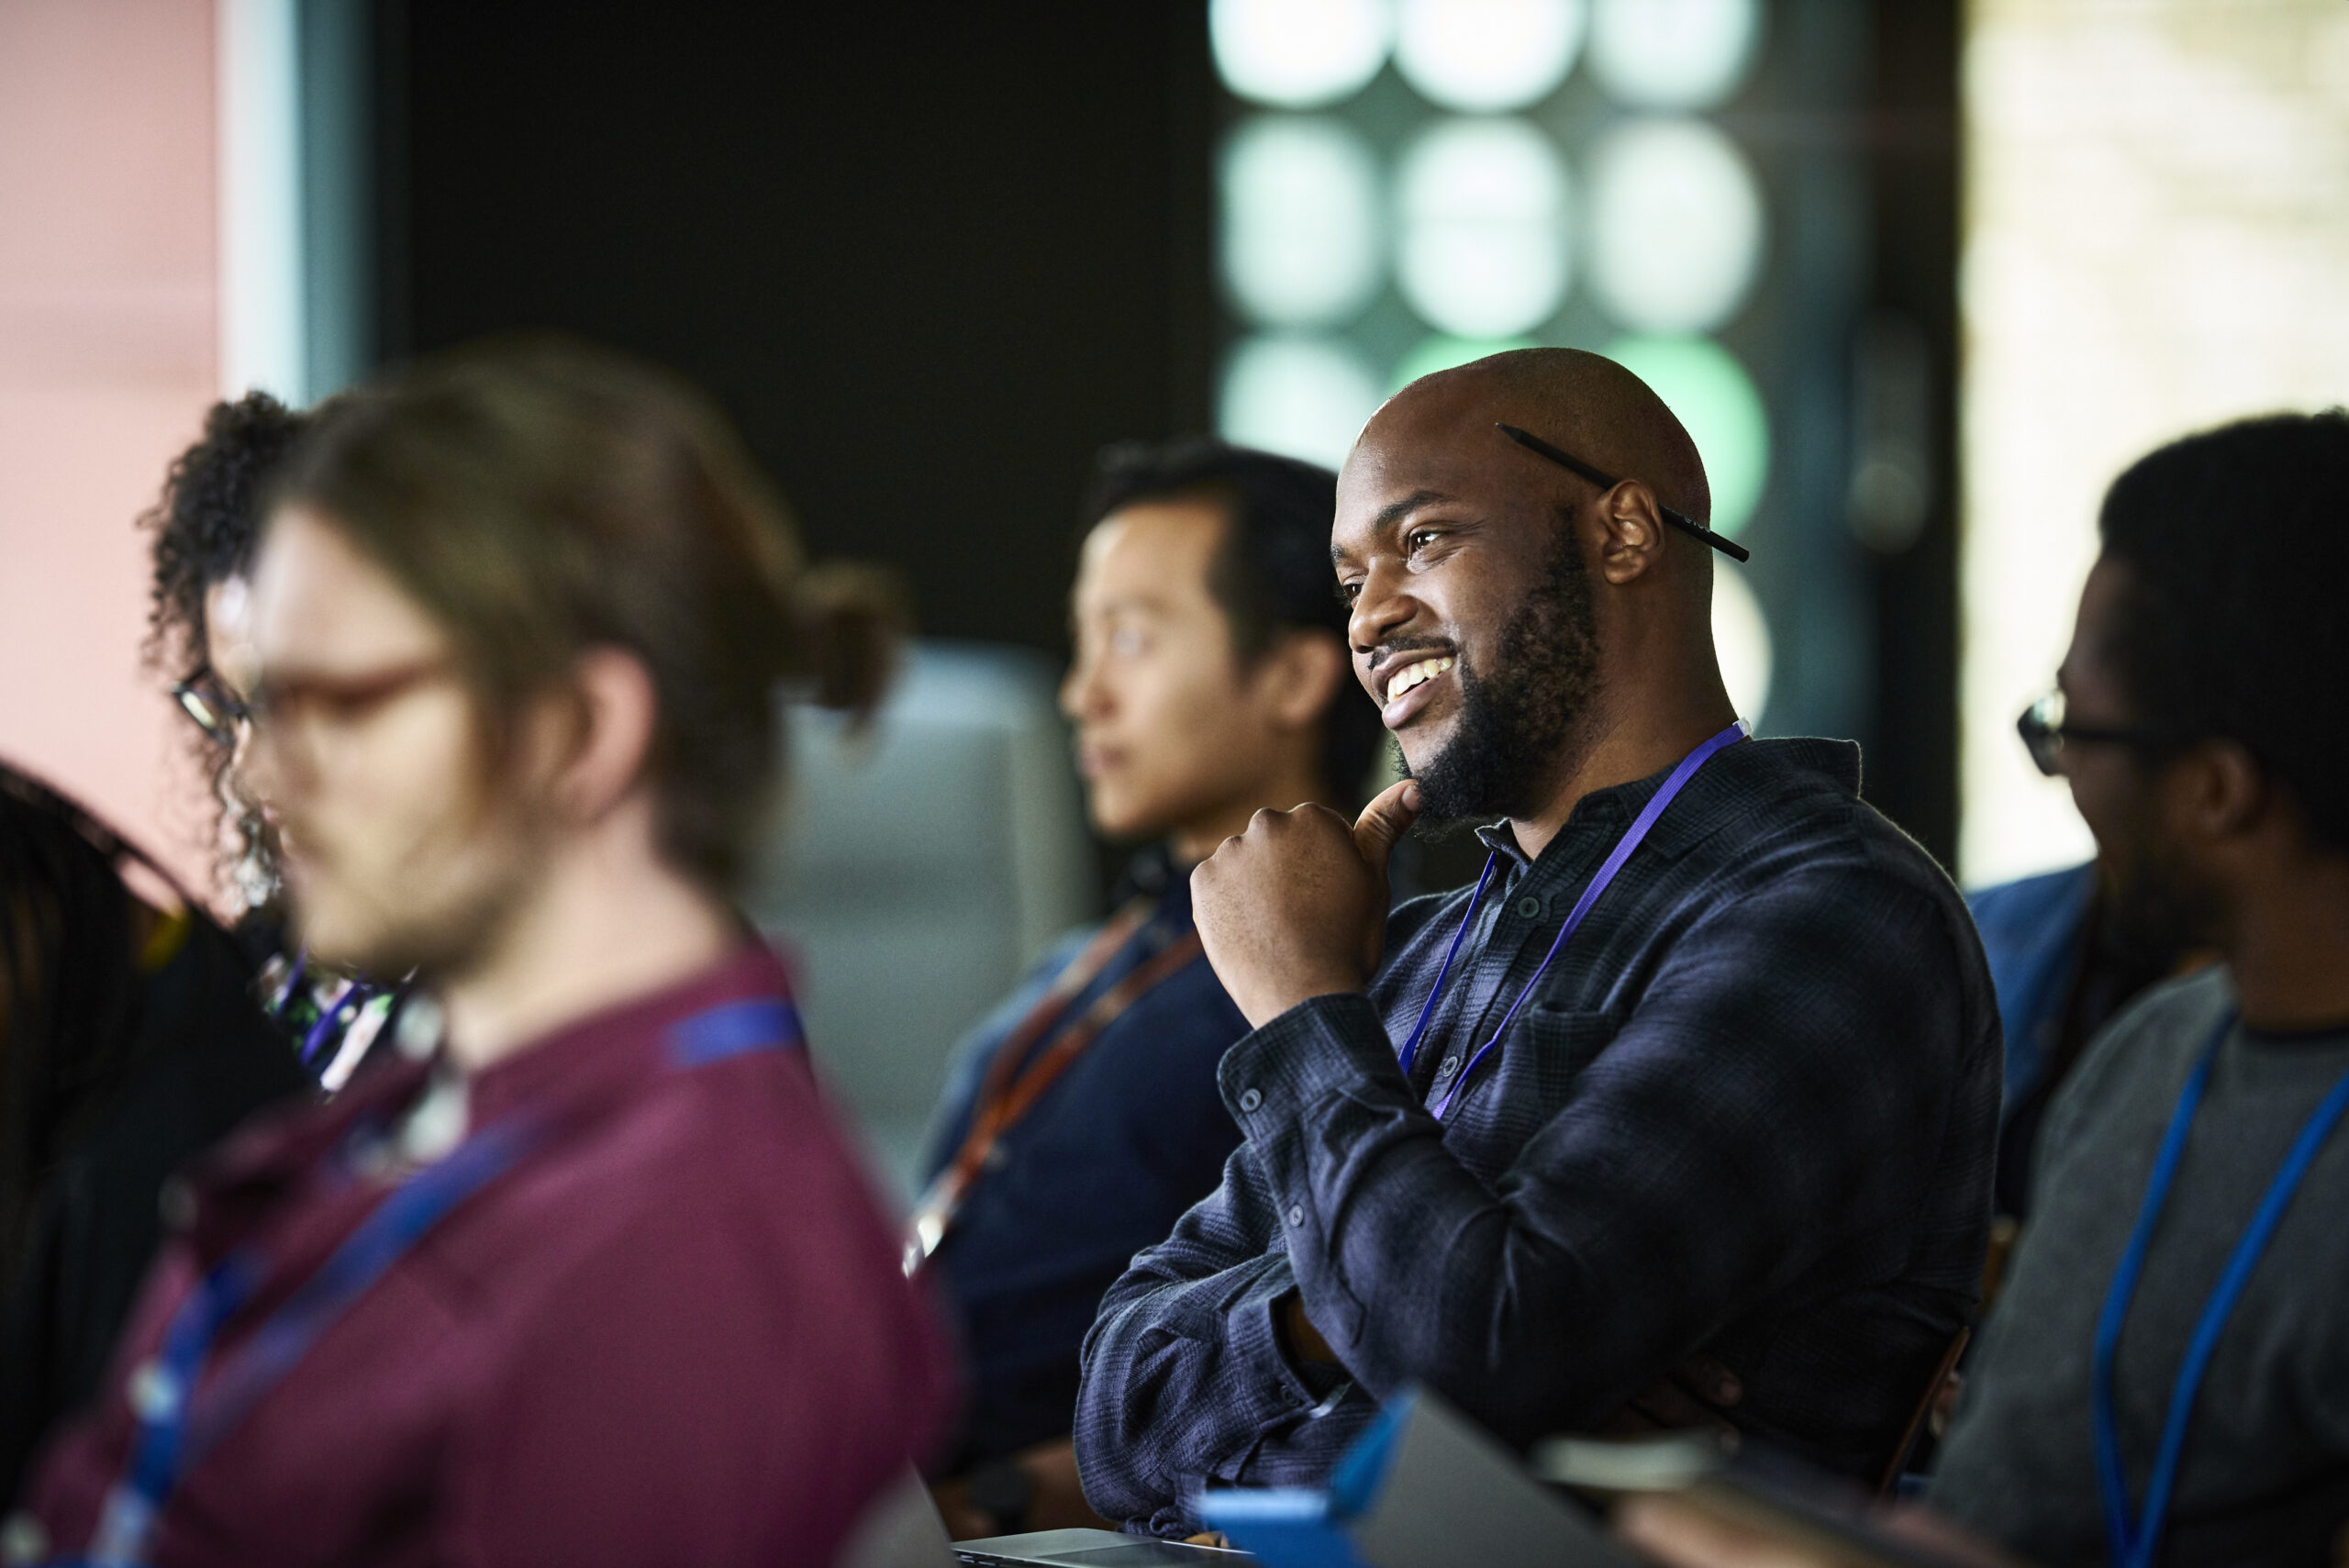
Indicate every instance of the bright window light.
{"type": "Point", "coordinates": [1674, 54]}
{"type": "Point", "coordinates": [2155, 243]}
{"type": "Point", "coordinates": [1298, 54]}
{"type": "Point", "coordinates": [1742, 642]}
{"type": "Point", "coordinates": [1479, 56]}
{"type": "Point", "coordinates": [1703, 383]}
{"type": "Point", "coordinates": [1439, 352]}
{"type": "Point", "coordinates": [1301, 209]}
{"type": "Point", "coordinates": [1674, 226]}
{"type": "Point", "coordinates": [1485, 217]}
{"type": "Point", "coordinates": [1301, 396]}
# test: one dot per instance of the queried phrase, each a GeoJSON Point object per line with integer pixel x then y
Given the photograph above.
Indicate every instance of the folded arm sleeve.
{"type": "Point", "coordinates": [1186, 1380]}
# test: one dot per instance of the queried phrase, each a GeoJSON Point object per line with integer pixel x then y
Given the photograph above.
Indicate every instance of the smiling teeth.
{"type": "Point", "coordinates": [1412, 675]}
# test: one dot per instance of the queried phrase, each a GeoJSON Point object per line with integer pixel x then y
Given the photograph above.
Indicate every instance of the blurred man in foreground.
{"type": "Point", "coordinates": [1082, 1120]}
{"type": "Point", "coordinates": [1703, 1076]}
{"type": "Point", "coordinates": [598, 1282]}
{"type": "Point", "coordinates": [2167, 1374]}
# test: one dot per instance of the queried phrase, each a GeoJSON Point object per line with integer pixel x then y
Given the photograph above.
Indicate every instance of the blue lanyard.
{"type": "Point", "coordinates": [175, 1432]}
{"type": "Point", "coordinates": [2132, 1543]}
{"type": "Point", "coordinates": [1616, 859]}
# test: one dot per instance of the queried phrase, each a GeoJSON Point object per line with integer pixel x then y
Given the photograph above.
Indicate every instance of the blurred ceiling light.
{"type": "Point", "coordinates": [1704, 384]}
{"type": "Point", "coordinates": [1674, 226]}
{"type": "Point", "coordinates": [1674, 54]}
{"type": "Point", "coordinates": [1302, 396]}
{"type": "Point", "coordinates": [1300, 238]}
{"type": "Point", "coordinates": [1742, 642]}
{"type": "Point", "coordinates": [1298, 54]}
{"type": "Point", "coordinates": [1430, 355]}
{"type": "Point", "coordinates": [1478, 56]}
{"type": "Point", "coordinates": [1485, 214]}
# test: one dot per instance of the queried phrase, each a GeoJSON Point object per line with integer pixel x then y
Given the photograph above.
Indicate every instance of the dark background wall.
{"type": "Point", "coordinates": [931, 257]}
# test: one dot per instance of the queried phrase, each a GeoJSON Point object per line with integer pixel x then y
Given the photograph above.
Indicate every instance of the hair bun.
{"type": "Point", "coordinates": [853, 617]}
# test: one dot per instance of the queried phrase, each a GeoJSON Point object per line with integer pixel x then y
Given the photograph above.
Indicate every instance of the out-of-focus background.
{"type": "Point", "coordinates": [1918, 275]}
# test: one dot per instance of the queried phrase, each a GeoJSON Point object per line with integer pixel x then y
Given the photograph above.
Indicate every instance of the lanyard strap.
{"type": "Point", "coordinates": [1019, 1074]}
{"type": "Point", "coordinates": [2132, 1543]}
{"type": "Point", "coordinates": [1617, 858]}
{"type": "Point", "coordinates": [176, 1430]}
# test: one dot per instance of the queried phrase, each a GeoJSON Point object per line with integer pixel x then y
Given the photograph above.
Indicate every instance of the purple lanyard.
{"type": "Point", "coordinates": [1615, 861]}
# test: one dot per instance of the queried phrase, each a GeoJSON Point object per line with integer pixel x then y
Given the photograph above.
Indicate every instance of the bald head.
{"type": "Point", "coordinates": [1509, 612]}
{"type": "Point", "coordinates": [1586, 403]}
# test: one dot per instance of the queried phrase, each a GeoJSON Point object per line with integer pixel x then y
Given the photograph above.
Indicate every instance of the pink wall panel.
{"type": "Point", "coordinates": [107, 352]}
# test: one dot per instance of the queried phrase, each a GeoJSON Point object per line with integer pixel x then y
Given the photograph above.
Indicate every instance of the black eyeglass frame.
{"type": "Point", "coordinates": [1605, 480]}
{"type": "Point", "coordinates": [2045, 733]}
{"type": "Point", "coordinates": [210, 707]}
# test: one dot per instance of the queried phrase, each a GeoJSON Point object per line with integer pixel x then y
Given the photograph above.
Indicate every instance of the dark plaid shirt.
{"type": "Point", "coordinates": [1750, 1113]}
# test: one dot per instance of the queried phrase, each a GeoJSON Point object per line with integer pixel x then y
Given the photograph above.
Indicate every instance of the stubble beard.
{"type": "Point", "coordinates": [1517, 723]}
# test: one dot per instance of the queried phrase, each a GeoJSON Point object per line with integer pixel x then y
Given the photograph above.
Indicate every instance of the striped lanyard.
{"type": "Point", "coordinates": [177, 1427]}
{"type": "Point", "coordinates": [1617, 858]}
{"type": "Point", "coordinates": [1020, 1072]}
{"type": "Point", "coordinates": [2132, 1541]}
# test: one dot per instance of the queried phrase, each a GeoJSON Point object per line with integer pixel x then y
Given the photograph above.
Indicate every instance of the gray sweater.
{"type": "Point", "coordinates": [2265, 1473]}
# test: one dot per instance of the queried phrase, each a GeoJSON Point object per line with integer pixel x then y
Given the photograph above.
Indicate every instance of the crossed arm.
{"type": "Point", "coordinates": [1779, 1091]}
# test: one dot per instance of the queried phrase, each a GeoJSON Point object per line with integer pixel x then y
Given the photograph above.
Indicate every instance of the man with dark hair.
{"type": "Point", "coordinates": [1081, 1118]}
{"type": "Point", "coordinates": [591, 1277]}
{"type": "Point", "coordinates": [2165, 1374]}
{"type": "Point", "coordinates": [1694, 1105]}
{"type": "Point", "coordinates": [207, 528]}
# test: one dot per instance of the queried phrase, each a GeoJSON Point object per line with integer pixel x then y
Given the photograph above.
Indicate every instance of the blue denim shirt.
{"type": "Point", "coordinates": [1102, 1165]}
{"type": "Point", "coordinates": [1750, 1112]}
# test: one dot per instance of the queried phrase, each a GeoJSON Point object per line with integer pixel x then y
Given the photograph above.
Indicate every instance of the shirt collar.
{"type": "Point", "coordinates": [579, 1067]}
{"type": "Point", "coordinates": [1697, 813]}
{"type": "Point", "coordinates": [1154, 874]}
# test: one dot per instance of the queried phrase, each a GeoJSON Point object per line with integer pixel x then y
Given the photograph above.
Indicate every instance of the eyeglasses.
{"type": "Point", "coordinates": [2046, 734]}
{"type": "Point", "coordinates": [215, 710]}
{"type": "Point", "coordinates": [1604, 480]}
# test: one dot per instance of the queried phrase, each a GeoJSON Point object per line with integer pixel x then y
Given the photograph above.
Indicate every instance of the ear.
{"type": "Point", "coordinates": [617, 710]}
{"type": "Point", "coordinates": [1630, 532]}
{"type": "Point", "coordinates": [1299, 675]}
{"type": "Point", "coordinates": [2220, 792]}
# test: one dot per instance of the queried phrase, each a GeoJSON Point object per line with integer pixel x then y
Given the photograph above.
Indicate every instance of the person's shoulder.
{"type": "Point", "coordinates": [2148, 1047]}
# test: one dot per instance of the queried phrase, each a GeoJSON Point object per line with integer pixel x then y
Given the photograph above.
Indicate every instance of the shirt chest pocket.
{"type": "Point", "coordinates": [1548, 1050]}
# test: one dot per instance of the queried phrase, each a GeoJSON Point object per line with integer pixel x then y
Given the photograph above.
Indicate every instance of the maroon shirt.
{"type": "Point", "coordinates": [674, 1331]}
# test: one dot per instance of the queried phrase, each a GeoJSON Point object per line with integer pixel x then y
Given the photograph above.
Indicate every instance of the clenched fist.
{"type": "Point", "coordinates": [1296, 906]}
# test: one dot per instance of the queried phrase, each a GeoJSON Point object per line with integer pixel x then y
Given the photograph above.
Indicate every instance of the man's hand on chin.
{"type": "Point", "coordinates": [1296, 906]}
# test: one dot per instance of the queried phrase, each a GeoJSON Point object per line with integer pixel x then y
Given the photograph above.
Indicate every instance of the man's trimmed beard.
{"type": "Point", "coordinates": [1517, 722]}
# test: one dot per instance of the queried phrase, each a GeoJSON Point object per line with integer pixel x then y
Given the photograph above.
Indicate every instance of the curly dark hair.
{"type": "Point", "coordinates": [2236, 541]}
{"type": "Point", "coordinates": [207, 527]}
{"type": "Point", "coordinates": [208, 524]}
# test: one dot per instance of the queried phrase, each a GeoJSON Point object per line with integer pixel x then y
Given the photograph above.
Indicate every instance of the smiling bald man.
{"type": "Point", "coordinates": [1685, 1114]}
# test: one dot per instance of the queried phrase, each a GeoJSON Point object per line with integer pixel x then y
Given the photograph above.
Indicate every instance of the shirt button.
{"type": "Point", "coordinates": [1249, 1099]}
{"type": "Point", "coordinates": [1296, 1214]}
{"type": "Point", "coordinates": [1449, 1065]}
{"type": "Point", "coordinates": [1529, 907]}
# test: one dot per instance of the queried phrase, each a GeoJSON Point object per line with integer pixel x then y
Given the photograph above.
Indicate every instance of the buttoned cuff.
{"type": "Point", "coordinates": [1322, 1045]}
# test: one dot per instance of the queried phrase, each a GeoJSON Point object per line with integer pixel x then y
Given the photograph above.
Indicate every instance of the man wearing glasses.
{"type": "Point", "coordinates": [2066, 957]}
{"type": "Point", "coordinates": [2165, 1374]}
{"type": "Point", "coordinates": [1684, 1114]}
{"type": "Point", "coordinates": [207, 529]}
